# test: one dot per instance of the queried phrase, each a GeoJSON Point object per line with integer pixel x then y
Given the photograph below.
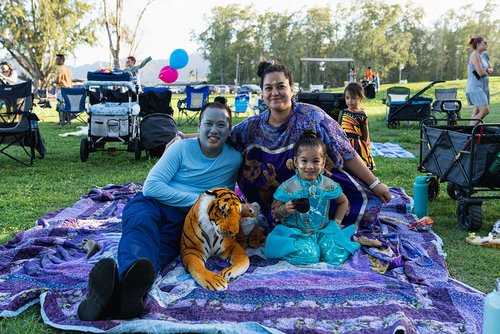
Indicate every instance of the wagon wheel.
{"type": "Point", "coordinates": [455, 191]}
{"type": "Point", "coordinates": [433, 188]}
{"type": "Point", "coordinates": [84, 149]}
{"type": "Point", "coordinates": [469, 215]}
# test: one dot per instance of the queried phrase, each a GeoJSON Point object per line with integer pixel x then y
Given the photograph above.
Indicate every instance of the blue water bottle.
{"type": "Point", "coordinates": [420, 196]}
{"type": "Point", "coordinates": [491, 311]}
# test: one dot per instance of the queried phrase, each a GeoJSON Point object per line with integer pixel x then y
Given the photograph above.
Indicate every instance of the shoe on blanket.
{"type": "Point", "coordinates": [134, 286]}
{"type": "Point", "coordinates": [103, 286]}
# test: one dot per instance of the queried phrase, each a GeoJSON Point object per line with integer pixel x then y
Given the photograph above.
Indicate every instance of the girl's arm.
{"type": "Point", "coordinates": [342, 207]}
{"type": "Point", "coordinates": [281, 210]}
{"type": "Point", "coordinates": [364, 131]}
{"type": "Point", "coordinates": [477, 64]}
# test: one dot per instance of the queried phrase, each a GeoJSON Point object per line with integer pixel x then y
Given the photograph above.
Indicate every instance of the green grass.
{"type": "Point", "coordinates": [60, 179]}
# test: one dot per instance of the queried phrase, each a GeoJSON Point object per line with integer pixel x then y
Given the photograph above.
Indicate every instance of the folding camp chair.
{"type": "Point", "coordinates": [241, 103]}
{"type": "Point", "coordinates": [446, 105]}
{"type": "Point", "coordinates": [44, 97]}
{"type": "Point", "coordinates": [190, 107]}
{"type": "Point", "coordinates": [259, 106]}
{"type": "Point", "coordinates": [23, 133]}
{"type": "Point", "coordinates": [74, 103]}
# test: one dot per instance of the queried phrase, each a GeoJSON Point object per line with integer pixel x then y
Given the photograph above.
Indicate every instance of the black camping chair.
{"type": "Point", "coordinates": [23, 132]}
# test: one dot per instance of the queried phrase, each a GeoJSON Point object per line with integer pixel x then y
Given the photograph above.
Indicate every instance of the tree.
{"type": "Point", "coordinates": [218, 39]}
{"type": "Point", "coordinates": [33, 32]}
{"type": "Point", "coordinates": [374, 33]}
{"type": "Point", "coordinates": [119, 32]}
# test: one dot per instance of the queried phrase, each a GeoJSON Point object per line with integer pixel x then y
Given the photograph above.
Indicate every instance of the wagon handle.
{"type": "Point", "coordinates": [424, 89]}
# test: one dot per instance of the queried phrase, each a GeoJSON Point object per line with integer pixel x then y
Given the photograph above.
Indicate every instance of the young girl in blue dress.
{"type": "Point", "coordinates": [306, 234]}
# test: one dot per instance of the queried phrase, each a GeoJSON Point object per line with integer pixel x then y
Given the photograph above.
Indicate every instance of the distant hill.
{"type": "Point", "coordinates": [149, 73]}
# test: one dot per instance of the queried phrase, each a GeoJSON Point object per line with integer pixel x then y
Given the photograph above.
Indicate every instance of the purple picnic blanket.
{"type": "Point", "coordinates": [47, 264]}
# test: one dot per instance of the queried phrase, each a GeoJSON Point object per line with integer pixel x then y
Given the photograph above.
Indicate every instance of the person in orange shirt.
{"type": "Point", "coordinates": [64, 78]}
{"type": "Point", "coordinates": [369, 74]}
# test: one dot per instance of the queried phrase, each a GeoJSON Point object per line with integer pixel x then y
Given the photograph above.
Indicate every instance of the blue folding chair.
{"type": "Point", "coordinates": [241, 103]}
{"type": "Point", "coordinates": [190, 107]}
{"type": "Point", "coordinates": [259, 106]}
{"type": "Point", "coordinates": [73, 103]}
{"type": "Point", "coordinates": [155, 89]}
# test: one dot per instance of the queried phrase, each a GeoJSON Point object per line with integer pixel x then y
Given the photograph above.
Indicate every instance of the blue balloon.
{"type": "Point", "coordinates": [178, 59]}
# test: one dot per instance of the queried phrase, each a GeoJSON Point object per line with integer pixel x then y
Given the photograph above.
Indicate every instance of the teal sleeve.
{"type": "Point", "coordinates": [281, 194]}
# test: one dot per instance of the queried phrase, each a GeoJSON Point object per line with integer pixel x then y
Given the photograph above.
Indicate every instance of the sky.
{"type": "Point", "coordinates": [167, 24]}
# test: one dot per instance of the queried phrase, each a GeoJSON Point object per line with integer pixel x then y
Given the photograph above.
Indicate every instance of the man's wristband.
{"type": "Point", "coordinates": [374, 184]}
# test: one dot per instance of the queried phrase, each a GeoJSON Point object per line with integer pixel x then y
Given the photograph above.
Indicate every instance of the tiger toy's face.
{"type": "Point", "coordinates": [209, 230]}
{"type": "Point", "coordinates": [221, 214]}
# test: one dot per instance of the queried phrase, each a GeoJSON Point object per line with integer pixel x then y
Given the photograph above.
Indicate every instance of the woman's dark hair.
{"type": "Point", "coordinates": [8, 65]}
{"type": "Point", "coordinates": [220, 102]}
{"type": "Point", "coordinates": [309, 138]}
{"type": "Point", "coordinates": [475, 41]}
{"type": "Point", "coordinates": [271, 66]}
{"type": "Point", "coordinates": [355, 89]}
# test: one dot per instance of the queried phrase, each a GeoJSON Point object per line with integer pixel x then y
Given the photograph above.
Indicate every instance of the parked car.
{"type": "Point", "coordinates": [250, 88]}
{"type": "Point", "coordinates": [224, 89]}
{"type": "Point", "coordinates": [213, 89]}
{"type": "Point", "coordinates": [233, 89]}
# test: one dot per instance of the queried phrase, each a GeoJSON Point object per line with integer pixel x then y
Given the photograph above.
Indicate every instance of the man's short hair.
{"type": "Point", "coordinates": [60, 55]}
{"type": "Point", "coordinates": [132, 58]}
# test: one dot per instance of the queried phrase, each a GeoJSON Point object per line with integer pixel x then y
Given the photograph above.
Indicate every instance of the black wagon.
{"type": "Point", "coordinates": [401, 107]}
{"type": "Point", "coordinates": [468, 158]}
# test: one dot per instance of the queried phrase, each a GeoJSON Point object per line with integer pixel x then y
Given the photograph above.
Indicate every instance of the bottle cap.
{"type": "Point", "coordinates": [421, 179]}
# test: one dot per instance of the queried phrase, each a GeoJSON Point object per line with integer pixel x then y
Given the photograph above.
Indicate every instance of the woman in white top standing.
{"type": "Point", "coordinates": [8, 73]}
{"type": "Point", "coordinates": [8, 76]}
{"type": "Point", "coordinates": [477, 88]}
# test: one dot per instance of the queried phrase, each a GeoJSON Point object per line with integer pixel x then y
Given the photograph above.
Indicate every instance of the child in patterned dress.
{"type": "Point", "coordinates": [354, 122]}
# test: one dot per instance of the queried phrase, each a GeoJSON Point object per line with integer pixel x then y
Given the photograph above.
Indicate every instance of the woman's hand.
{"type": "Point", "coordinates": [382, 192]}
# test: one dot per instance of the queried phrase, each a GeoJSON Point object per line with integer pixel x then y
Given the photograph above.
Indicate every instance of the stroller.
{"type": "Point", "coordinates": [468, 158]}
{"type": "Point", "coordinates": [113, 115]}
{"type": "Point", "coordinates": [157, 127]}
{"type": "Point", "coordinates": [446, 105]}
{"type": "Point", "coordinates": [369, 88]}
{"type": "Point", "coordinates": [402, 107]}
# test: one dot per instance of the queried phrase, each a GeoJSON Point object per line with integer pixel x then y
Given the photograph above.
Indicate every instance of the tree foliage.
{"type": "Point", "coordinates": [373, 33]}
{"type": "Point", "coordinates": [33, 32]}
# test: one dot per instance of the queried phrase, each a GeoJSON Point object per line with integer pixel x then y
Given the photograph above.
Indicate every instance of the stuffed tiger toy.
{"type": "Point", "coordinates": [209, 230]}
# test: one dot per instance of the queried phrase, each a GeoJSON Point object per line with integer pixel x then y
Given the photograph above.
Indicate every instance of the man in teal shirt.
{"type": "Point", "coordinates": [152, 222]}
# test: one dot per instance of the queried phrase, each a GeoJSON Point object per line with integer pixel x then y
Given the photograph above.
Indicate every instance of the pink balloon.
{"type": "Point", "coordinates": [168, 74]}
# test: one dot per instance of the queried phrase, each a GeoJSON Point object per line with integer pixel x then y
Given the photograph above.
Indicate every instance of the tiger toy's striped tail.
{"type": "Point", "coordinates": [209, 230]}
